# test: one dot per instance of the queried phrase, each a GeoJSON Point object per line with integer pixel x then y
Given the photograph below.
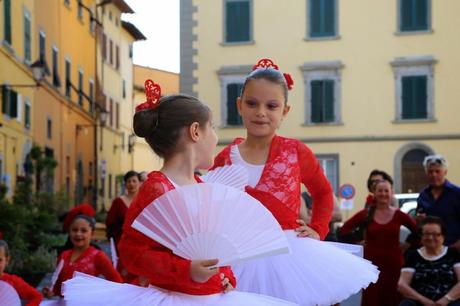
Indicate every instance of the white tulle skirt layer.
{"type": "Point", "coordinates": [85, 290]}
{"type": "Point", "coordinates": [314, 273]}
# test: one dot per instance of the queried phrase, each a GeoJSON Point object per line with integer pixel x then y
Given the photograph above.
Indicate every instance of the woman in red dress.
{"type": "Point", "coordinates": [117, 213]}
{"type": "Point", "coordinates": [381, 244]}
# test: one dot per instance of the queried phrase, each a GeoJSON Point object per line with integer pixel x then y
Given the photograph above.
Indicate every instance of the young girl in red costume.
{"type": "Point", "coordinates": [315, 273]}
{"type": "Point", "coordinates": [24, 290]}
{"type": "Point", "coordinates": [179, 129]}
{"type": "Point", "coordinates": [82, 257]}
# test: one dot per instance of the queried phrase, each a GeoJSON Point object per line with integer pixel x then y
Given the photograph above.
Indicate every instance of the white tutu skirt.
{"type": "Point", "coordinates": [313, 273]}
{"type": "Point", "coordinates": [86, 290]}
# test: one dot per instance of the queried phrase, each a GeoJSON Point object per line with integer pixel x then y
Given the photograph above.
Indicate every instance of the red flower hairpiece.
{"type": "Point", "coordinates": [153, 93]}
{"type": "Point", "coordinates": [82, 209]}
{"type": "Point", "coordinates": [267, 63]}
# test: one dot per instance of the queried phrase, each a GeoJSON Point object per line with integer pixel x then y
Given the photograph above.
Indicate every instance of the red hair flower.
{"type": "Point", "coordinates": [153, 93]}
{"type": "Point", "coordinates": [82, 209]}
{"type": "Point", "coordinates": [267, 63]}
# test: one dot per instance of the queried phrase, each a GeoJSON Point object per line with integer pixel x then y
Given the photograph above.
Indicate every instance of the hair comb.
{"type": "Point", "coordinates": [153, 94]}
{"type": "Point", "coordinates": [267, 63]}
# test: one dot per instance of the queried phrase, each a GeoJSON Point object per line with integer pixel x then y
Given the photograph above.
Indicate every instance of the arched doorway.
{"type": "Point", "coordinates": [413, 177]}
{"type": "Point", "coordinates": [409, 175]}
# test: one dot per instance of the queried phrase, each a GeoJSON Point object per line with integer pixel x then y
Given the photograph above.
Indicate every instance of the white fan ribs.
{"type": "Point", "coordinates": [206, 221]}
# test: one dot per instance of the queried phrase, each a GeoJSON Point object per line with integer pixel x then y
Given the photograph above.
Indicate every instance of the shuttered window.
{"type": "Point", "coordinates": [322, 101]}
{"type": "Point", "coordinates": [27, 41]}
{"type": "Point", "coordinates": [322, 18]}
{"type": "Point", "coordinates": [9, 102]}
{"type": "Point", "coordinates": [414, 15]}
{"type": "Point", "coordinates": [414, 97]}
{"type": "Point", "coordinates": [233, 92]}
{"type": "Point", "coordinates": [237, 21]}
{"type": "Point", "coordinates": [7, 21]}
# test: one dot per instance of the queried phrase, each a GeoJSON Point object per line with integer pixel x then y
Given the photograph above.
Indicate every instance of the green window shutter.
{"type": "Point", "coordinates": [5, 99]}
{"type": "Point", "coordinates": [27, 116]}
{"type": "Point", "coordinates": [322, 18]}
{"type": "Point", "coordinates": [233, 92]}
{"type": "Point", "coordinates": [7, 21]}
{"type": "Point", "coordinates": [322, 101]}
{"type": "Point", "coordinates": [328, 101]}
{"type": "Point", "coordinates": [316, 97]}
{"type": "Point", "coordinates": [315, 18]}
{"type": "Point", "coordinates": [237, 21]}
{"type": "Point", "coordinates": [420, 95]}
{"type": "Point", "coordinates": [414, 97]}
{"type": "Point", "coordinates": [13, 104]}
{"type": "Point", "coordinates": [329, 17]}
{"type": "Point", "coordinates": [27, 51]}
{"type": "Point", "coordinates": [414, 15]}
{"type": "Point", "coordinates": [421, 15]}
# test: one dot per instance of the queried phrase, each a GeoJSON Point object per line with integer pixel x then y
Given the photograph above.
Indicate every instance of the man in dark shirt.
{"type": "Point", "coordinates": [441, 198]}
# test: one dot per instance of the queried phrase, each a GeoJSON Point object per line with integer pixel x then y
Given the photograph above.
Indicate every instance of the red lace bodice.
{"type": "Point", "coordinates": [289, 163]}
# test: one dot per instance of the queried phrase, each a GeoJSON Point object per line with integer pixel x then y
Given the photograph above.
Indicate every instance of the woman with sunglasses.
{"type": "Point", "coordinates": [431, 274]}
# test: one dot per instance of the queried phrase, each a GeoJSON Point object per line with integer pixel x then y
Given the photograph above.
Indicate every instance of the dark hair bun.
{"type": "Point", "coordinates": [144, 122]}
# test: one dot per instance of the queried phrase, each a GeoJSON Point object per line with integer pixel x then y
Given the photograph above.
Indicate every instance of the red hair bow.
{"type": "Point", "coordinates": [153, 93]}
{"type": "Point", "coordinates": [268, 63]}
{"type": "Point", "coordinates": [82, 209]}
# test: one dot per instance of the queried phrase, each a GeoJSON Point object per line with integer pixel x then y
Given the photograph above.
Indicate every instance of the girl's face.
{"type": "Point", "coordinates": [383, 192]}
{"type": "Point", "coordinates": [132, 184]}
{"type": "Point", "coordinates": [262, 107]}
{"type": "Point", "coordinates": [3, 260]}
{"type": "Point", "coordinates": [80, 233]}
{"type": "Point", "coordinates": [206, 145]}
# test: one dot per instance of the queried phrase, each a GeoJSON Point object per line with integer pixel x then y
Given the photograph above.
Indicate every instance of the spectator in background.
{"type": "Point", "coordinates": [117, 213]}
{"type": "Point", "coordinates": [375, 176]}
{"type": "Point", "coordinates": [440, 198]}
{"type": "Point", "coordinates": [381, 244]}
{"type": "Point", "coordinates": [431, 274]}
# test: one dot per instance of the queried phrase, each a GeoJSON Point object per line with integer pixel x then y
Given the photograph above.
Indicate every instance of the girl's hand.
{"type": "Point", "coordinates": [306, 231]}
{"type": "Point", "coordinates": [226, 285]}
{"type": "Point", "coordinates": [199, 271]}
{"type": "Point", "coordinates": [47, 292]}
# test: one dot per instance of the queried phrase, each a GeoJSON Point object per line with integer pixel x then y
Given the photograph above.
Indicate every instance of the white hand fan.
{"type": "Point", "coordinates": [56, 273]}
{"type": "Point", "coordinates": [8, 295]}
{"type": "Point", "coordinates": [235, 176]}
{"type": "Point", "coordinates": [207, 221]}
{"type": "Point", "coordinates": [113, 252]}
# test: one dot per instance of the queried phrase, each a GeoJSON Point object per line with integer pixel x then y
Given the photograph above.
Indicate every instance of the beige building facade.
{"type": "Point", "coordinates": [143, 158]}
{"type": "Point", "coordinates": [374, 81]}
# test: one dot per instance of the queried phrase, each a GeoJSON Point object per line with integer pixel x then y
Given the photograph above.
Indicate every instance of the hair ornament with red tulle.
{"type": "Point", "coordinates": [153, 93]}
{"type": "Point", "coordinates": [267, 63]}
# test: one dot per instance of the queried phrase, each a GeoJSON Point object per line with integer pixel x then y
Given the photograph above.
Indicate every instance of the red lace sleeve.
{"type": "Point", "coordinates": [222, 159]}
{"type": "Point", "coordinates": [105, 267]}
{"type": "Point", "coordinates": [25, 291]}
{"type": "Point", "coordinates": [354, 221]}
{"type": "Point", "coordinates": [146, 258]}
{"type": "Point", "coordinates": [313, 178]}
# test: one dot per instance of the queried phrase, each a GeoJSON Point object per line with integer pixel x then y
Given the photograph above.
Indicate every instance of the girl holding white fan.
{"type": "Point", "coordinates": [179, 129]}
{"type": "Point", "coordinates": [314, 273]}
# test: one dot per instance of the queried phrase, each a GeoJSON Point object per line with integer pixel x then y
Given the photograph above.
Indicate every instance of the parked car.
{"type": "Point", "coordinates": [406, 197]}
{"type": "Point", "coordinates": [409, 208]}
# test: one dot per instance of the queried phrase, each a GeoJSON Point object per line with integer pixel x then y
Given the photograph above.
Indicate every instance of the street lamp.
{"type": "Point", "coordinates": [38, 73]}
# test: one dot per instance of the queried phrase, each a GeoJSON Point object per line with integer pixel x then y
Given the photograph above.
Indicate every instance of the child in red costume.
{"type": "Point", "coordinates": [82, 257]}
{"type": "Point", "coordinates": [24, 290]}
{"type": "Point", "coordinates": [179, 129]}
{"type": "Point", "coordinates": [277, 166]}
